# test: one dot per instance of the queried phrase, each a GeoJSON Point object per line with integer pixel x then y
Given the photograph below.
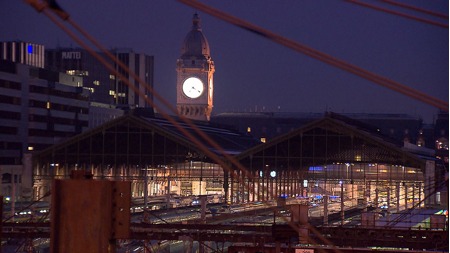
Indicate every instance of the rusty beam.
{"type": "Point", "coordinates": [210, 227]}
{"type": "Point", "coordinates": [356, 237]}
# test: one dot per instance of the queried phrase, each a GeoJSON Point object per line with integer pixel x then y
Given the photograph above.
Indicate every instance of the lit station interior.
{"type": "Point", "coordinates": [333, 157]}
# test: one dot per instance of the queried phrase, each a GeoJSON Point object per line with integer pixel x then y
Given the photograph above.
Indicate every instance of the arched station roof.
{"type": "Point", "coordinates": [333, 139]}
{"type": "Point", "coordinates": [139, 140]}
{"type": "Point", "coordinates": [133, 139]}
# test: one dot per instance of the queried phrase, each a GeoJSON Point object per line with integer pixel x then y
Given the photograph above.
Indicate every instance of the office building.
{"type": "Point", "coordinates": [104, 85]}
{"type": "Point", "coordinates": [23, 52]}
{"type": "Point", "coordinates": [39, 108]}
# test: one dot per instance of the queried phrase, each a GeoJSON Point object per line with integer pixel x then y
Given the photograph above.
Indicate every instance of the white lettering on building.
{"type": "Point", "coordinates": [71, 55]}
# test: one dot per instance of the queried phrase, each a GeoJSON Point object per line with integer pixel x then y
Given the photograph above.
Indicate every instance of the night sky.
{"type": "Point", "coordinates": [253, 73]}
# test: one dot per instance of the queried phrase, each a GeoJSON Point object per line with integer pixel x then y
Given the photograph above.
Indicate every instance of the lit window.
{"type": "Point", "coordinates": [30, 148]}
{"type": "Point", "coordinates": [48, 105]}
{"type": "Point", "coordinates": [442, 143]}
{"type": "Point", "coordinates": [112, 77]}
{"type": "Point", "coordinates": [112, 93]}
{"type": "Point", "coordinates": [249, 129]}
{"type": "Point", "coordinates": [263, 140]}
{"type": "Point", "coordinates": [96, 82]}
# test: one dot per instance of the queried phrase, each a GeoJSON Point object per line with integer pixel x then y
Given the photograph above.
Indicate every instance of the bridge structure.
{"type": "Point", "coordinates": [230, 232]}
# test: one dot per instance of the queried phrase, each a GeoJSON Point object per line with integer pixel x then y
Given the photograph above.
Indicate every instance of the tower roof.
{"type": "Point", "coordinates": [195, 43]}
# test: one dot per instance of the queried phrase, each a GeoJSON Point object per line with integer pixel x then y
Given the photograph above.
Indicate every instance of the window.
{"type": "Point", "coordinates": [420, 141]}
{"type": "Point", "coordinates": [442, 143]}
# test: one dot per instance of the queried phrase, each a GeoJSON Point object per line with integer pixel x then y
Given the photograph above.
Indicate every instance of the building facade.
{"type": "Point", "coordinates": [39, 108]}
{"type": "Point", "coordinates": [23, 52]}
{"type": "Point", "coordinates": [105, 87]}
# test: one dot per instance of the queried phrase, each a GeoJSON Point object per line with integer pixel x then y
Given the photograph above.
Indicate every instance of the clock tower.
{"type": "Point", "coordinates": [195, 70]}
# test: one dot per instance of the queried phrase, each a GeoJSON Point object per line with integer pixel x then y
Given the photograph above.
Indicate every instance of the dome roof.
{"type": "Point", "coordinates": [195, 43]}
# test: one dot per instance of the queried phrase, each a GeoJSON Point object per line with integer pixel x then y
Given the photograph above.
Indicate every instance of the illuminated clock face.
{"type": "Point", "coordinates": [193, 87]}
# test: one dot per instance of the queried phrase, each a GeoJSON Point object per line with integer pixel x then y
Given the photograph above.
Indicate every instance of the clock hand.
{"type": "Point", "coordinates": [193, 88]}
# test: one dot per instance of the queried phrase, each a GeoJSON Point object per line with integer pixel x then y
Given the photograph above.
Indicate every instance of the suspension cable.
{"type": "Point", "coordinates": [378, 8]}
{"type": "Point", "coordinates": [400, 88]}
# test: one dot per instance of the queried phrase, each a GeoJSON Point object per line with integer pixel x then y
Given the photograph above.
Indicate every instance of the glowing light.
{"type": "Point", "coordinates": [316, 168]}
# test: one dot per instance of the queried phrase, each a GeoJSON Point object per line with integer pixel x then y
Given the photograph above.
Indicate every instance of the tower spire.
{"type": "Point", "coordinates": [195, 70]}
{"type": "Point", "coordinates": [196, 22]}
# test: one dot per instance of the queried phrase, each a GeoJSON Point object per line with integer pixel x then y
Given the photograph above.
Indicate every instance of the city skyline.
{"type": "Point", "coordinates": [253, 73]}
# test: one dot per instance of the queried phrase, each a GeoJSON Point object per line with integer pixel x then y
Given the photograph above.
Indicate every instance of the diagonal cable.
{"type": "Point", "coordinates": [42, 7]}
{"type": "Point", "coordinates": [249, 175]}
{"type": "Point", "coordinates": [397, 13]}
{"type": "Point", "coordinates": [411, 7]}
{"type": "Point", "coordinates": [383, 81]}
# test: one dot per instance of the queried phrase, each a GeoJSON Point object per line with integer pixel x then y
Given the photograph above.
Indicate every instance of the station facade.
{"type": "Point", "coordinates": [328, 157]}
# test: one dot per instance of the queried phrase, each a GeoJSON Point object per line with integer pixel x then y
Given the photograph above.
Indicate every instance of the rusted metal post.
{"type": "Point", "coordinates": [299, 218]}
{"type": "Point", "coordinates": [1, 216]}
{"type": "Point", "coordinates": [89, 215]}
{"type": "Point", "coordinates": [325, 209]}
{"type": "Point", "coordinates": [342, 203]}
{"type": "Point", "coordinates": [203, 199]}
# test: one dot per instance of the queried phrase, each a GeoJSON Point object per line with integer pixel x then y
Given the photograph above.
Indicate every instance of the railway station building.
{"type": "Point", "coordinates": [331, 156]}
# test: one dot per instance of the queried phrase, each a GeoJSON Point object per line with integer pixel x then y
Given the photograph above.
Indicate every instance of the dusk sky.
{"type": "Point", "coordinates": [255, 73]}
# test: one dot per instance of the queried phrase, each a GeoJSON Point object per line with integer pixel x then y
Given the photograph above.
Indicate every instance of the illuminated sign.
{"type": "Point", "coordinates": [304, 250]}
{"type": "Point", "coordinates": [316, 168]}
{"type": "Point", "coordinates": [71, 55]}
